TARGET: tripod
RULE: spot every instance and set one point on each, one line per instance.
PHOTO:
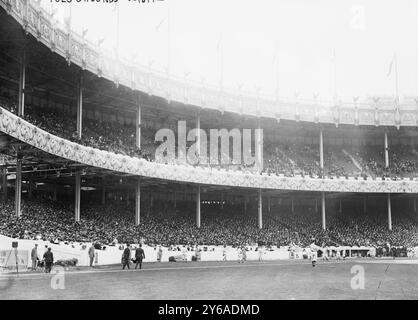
(7, 260)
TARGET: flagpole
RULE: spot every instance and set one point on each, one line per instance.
(70, 17)
(117, 29)
(220, 57)
(335, 76)
(276, 61)
(396, 77)
(168, 41)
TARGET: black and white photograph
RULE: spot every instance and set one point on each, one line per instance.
(226, 152)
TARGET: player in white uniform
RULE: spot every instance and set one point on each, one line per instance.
(325, 254)
(244, 254)
(372, 252)
(224, 254)
(338, 255)
(239, 255)
(314, 253)
(260, 253)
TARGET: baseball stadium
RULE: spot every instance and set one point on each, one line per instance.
(83, 176)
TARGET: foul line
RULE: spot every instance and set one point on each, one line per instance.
(43, 275)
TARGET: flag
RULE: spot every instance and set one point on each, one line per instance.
(276, 51)
(53, 12)
(391, 64)
(218, 46)
(334, 56)
(67, 22)
(219, 49)
(334, 61)
(158, 26)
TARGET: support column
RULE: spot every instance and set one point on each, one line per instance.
(389, 213)
(22, 85)
(260, 146)
(292, 205)
(80, 108)
(30, 189)
(341, 207)
(198, 207)
(222, 201)
(269, 204)
(103, 195)
(365, 204)
(54, 195)
(321, 150)
(316, 205)
(198, 134)
(127, 198)
(415, 205)
(77, 192)
(175, 200)
(260, 210)
(245, 205)
(138, 202)
(4, 184)
(386, 150)
(323, 211)
(138, 126)
(18, 187)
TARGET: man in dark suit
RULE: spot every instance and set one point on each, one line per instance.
(49, 260)
(139, 255)
(91, 254)
(126, 257)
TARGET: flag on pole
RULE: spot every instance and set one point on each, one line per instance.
(334, 55)
(219, 49)
(158, 26)
(116, 9)
(219, 45)
(392, 62)
(67, 22)
(275, 63)
(334, 61)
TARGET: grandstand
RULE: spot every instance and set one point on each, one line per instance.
(77, 143)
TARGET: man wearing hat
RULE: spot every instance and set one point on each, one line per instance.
(126, 257)
(139, 256)
(34, 257)
(49, 260)
(91, 254)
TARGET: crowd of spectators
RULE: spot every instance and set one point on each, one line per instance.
(113, 223)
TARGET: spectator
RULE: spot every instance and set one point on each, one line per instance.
(49, 260)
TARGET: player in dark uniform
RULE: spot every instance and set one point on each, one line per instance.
(139, 255)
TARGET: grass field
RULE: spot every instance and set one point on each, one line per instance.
(384, 279)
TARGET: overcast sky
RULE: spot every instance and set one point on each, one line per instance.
(248, 38)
